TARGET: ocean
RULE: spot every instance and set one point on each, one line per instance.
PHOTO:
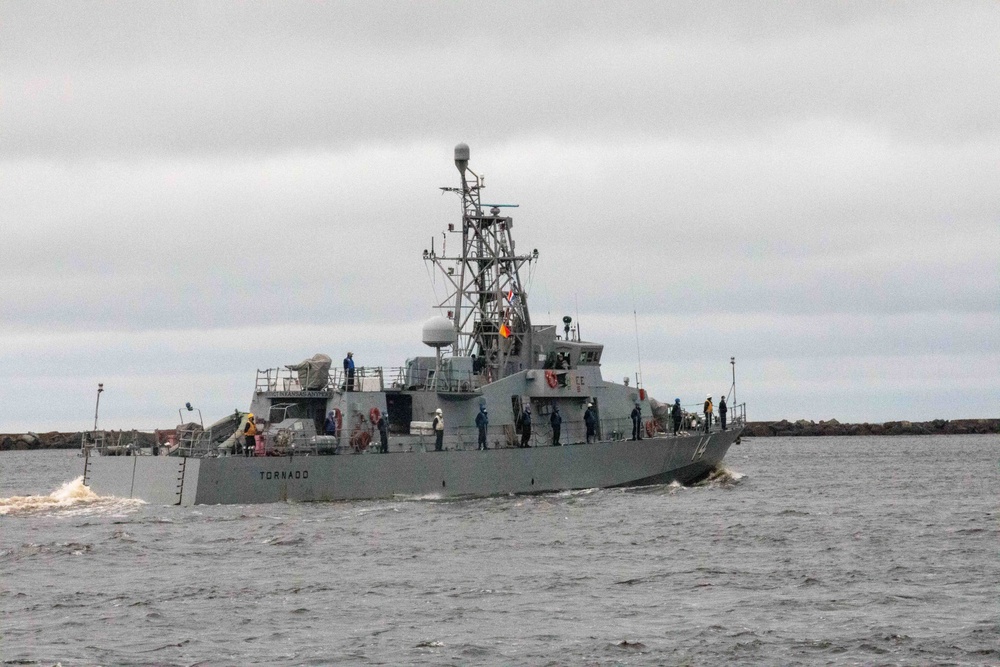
(804, 551)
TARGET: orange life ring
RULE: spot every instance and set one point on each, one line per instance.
(651, 428)
(339, 417)
(551, 379)
(374, 415)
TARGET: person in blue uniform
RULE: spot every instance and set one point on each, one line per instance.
(677, 414)
(637, 422)
(383, 432)
(526, 426)
(330, 426)
(556, 422)
(349, 372)
(723, 409)
(482, 423)
(590, 421)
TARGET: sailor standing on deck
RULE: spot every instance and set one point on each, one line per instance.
(637, 421)
(249, 433)
(383, 432)
(349, 372)
(722, 412)
(526, 426)
(438, 424)
(677, 414)
(708, 413)
(556, 422)
(482, 423)
(590, 421)
(330, 426)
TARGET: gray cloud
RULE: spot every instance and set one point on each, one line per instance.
(192, 189)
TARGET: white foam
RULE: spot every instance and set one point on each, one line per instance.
(70, 496)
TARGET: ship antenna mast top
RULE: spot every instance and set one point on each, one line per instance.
(487, 302)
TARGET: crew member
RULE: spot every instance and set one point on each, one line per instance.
(438, 424)
(482, 423)
(677, 414)
(590, 421)
(526, 426)
(383, 432)
(637, 421)
(249, 433)
(556, 422)
(707, 408)
(723, 409)
(349, 372)
(330, 426)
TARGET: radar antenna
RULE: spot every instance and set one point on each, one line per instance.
(486, 302)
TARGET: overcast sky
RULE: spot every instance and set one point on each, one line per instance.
(190, 191)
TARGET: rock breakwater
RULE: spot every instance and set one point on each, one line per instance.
(834, 427)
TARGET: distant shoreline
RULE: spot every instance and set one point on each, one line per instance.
(783, 428)
(804, 427)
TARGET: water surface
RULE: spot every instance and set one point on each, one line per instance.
(810, 551)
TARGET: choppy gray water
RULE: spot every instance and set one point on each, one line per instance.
(810, 551)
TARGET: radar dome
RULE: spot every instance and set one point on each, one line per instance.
(439, 332)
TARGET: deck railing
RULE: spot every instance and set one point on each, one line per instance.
(370, 378)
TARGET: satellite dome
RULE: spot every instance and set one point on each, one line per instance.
(438, 332)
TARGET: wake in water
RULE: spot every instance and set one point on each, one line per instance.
(72, 497)
(722, 477)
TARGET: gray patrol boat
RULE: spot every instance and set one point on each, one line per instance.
(318, 428)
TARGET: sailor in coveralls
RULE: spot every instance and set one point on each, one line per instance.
(637, 422)
(556, 422)
(349, 372)
(482, 423)
(383, 432)
(590, 421)
(438, 424)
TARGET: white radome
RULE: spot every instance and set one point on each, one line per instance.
(438, 331)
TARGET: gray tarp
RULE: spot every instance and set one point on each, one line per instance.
(313, 373)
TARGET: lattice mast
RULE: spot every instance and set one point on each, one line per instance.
(487, 303)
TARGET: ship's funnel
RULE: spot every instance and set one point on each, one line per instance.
(462, 157)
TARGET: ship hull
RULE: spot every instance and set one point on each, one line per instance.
(236, 480)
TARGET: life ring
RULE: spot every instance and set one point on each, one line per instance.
(339, 417)
(360, 440)
(551, 379)
(651, 428)
(374, 415)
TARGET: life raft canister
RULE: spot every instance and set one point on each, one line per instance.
(551, 379)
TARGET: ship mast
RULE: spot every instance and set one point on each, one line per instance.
(487, 302)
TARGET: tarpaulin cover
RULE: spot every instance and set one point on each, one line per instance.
(313, 373)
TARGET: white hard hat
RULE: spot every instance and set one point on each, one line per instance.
(438, 411)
